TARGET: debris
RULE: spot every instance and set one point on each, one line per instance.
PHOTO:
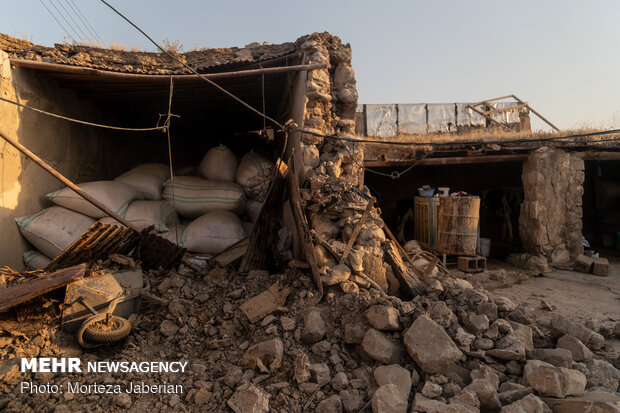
(600, 267)
(583, 263)
(528, 404)
(394, 374)
(556, 381)
(266, 302)
(383, 317)
(378, 346)
(314, 327)
(389, 399)
(249, 399)
(266, 356)
(429, 345)
(577, 349)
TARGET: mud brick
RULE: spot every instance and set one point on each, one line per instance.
(600, 267)
(583, 263)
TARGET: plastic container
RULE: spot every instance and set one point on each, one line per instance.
(485, 247)
(444, 191)
(426, 193)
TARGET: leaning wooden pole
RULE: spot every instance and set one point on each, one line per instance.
(63, 179)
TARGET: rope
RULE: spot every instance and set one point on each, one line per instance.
(98, 125)
(176, 227)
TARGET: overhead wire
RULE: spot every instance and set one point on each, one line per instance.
(87, 24)
(74, 22)
(66, 21)
(83, 122)
(58, 21)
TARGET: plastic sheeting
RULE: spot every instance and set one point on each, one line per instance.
(381, 120)
(441, 117)
(467, 117)
(412, 119)
(505, 117)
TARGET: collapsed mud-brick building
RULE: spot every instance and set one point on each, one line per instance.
(311, 82)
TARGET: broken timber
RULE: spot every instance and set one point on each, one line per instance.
(302, 226)
(18, 294)
(233, 253)
(409, 283)
(266, 302)
(356, 230)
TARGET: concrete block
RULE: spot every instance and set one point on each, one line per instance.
(583, 263)
(472, 264)
(600, 267)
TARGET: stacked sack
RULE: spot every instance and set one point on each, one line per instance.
(210, 204)
(213, 200)
(135, 196)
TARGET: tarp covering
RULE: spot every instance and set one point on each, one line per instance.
(467, 117)
(505, 117)
(412, 119)
(381, 120)
(441, 117)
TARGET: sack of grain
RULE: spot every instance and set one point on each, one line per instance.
(254, 175)
(143, 214)
(35, 260)
(174, 234)
(110, 221)
(148, 179)
(219, 164)
(53, 229)
(252, 209)
(115, 195)
(213, 232)
(194, 196)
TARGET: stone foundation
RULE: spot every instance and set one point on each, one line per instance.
(550, 222)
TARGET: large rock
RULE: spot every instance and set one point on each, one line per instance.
(266, 356)
(557, 381)
(379, 347)
(602, 373)
(561, 325)
(314, 327)
(476, 323)
(528, 404)
(558, 357)
(339, 274)
(383, 317)
(430, 346)
(389, 399)
(394, 374)
(249, 399)
(332, 404)
(519, 334)
(592, 402)
(487, 394)
(578, 350)
(424, 404)
(515, 352)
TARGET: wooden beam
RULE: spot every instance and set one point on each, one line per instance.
(356, 230)
(602, 156)
(409, 283)
(23, 292)
(450, 160)
(107, 74)
(538, 114)
(507, 109)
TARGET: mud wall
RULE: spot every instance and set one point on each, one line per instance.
(81, 153)
(550, 222)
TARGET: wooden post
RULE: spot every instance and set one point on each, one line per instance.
(356, 230)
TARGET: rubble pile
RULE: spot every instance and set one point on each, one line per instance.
(463, 349)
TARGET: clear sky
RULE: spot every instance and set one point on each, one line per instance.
(562, 56)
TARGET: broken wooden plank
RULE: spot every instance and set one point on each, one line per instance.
(18, 294)
(259, 255)
(302, 226)
(409, 283)
(266, 302)
(356, 230)
(233, 253)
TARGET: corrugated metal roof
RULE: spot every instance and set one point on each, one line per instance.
(207, 60)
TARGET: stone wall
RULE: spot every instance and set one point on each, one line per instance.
(333, 190)
(550, 222)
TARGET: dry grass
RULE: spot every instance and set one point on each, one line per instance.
(117, 46)
(172, 46)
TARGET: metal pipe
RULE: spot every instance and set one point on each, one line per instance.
(63, 179)
(59, 68)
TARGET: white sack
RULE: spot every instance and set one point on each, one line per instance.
(212, 233)
(143, 214)
(219, 164)
(254, 175)
(148, 179)
(53, 229)
(194, 196)
(35, 260)
(115, 195)
(174, 232)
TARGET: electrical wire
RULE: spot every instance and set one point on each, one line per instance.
(74, 22)
(57, 21)
(87, 24)
(98, 125)
(66, 21)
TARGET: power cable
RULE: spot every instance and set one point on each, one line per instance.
(74, 22)
(87, 24)
(66, 21)
(57, 21)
